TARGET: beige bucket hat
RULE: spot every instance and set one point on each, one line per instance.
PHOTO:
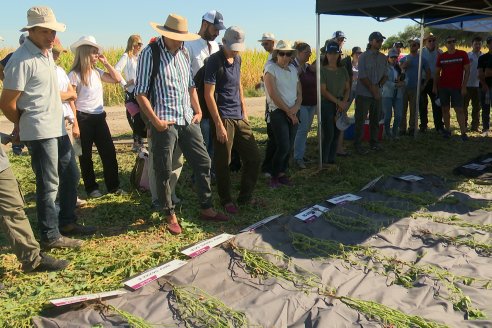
(43, 17)
(175, 28)
(284, 45)
(86, 41)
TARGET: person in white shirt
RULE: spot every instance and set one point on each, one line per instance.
(86, 79)
(200, 50)
(127, 66)
(472, 88)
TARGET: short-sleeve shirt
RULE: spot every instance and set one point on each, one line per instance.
(373, 66)
(412, 70)
(34, 74)
(431, 57)
(199, 51)
(473, 80)
(170, 94)
(89, 97)
(452, 69)
(334, 80)
(63, 83)
(227, 87)
(286, 82)
(482, 64)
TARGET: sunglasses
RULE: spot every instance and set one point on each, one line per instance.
(283, 53)
(138, 44)
(431, 40)
(393, 57)
(451, 41)
(358, 52)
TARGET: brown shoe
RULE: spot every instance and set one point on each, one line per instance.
(62, 242)
(174, 228)
(77, 229)
(217, 217)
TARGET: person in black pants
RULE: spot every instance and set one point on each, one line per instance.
(91, 116)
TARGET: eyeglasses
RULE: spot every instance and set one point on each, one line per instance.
(451, 41)
(282, 53)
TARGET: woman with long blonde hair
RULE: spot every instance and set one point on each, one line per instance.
(86, 79)
(127, 66)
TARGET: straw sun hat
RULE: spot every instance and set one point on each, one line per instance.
(175, 28)
(43, 17)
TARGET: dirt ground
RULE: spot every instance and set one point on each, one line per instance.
(118, 124)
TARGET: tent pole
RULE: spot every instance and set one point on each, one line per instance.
(318, 90)
(419, 80)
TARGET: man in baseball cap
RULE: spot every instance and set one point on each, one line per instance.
(376, 36)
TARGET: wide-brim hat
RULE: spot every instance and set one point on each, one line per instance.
(343, 121)
(429, 36)
(43, 17)
(88, 40)
(267, 37)
(284, 45)
(175, 28)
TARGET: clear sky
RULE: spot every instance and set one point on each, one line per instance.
(111, 22)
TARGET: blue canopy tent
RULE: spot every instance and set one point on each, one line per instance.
(424, 12)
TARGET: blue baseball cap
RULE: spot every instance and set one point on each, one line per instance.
(215, 18)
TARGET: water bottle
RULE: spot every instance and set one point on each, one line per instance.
(77, 147)
(487, 98)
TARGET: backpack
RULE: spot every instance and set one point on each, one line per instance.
(139, 177)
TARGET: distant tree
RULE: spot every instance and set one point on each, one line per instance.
(413, 31)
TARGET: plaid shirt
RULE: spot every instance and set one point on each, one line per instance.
(171, 86)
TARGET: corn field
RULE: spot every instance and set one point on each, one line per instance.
(252, 67)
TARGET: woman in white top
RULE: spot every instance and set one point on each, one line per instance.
(284, 97)
(86, 79)
(127, 65)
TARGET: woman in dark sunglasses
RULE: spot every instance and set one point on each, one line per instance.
(284, 98)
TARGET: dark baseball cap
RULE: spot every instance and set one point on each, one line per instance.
(332, 47)
(377, 36)
(398, 44)
(215, 18)
(338, 35)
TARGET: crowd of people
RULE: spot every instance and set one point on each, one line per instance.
(183, 92)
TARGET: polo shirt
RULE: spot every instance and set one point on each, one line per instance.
(171, 88)
(199, 51)
(373, 66)
(227, 88)
(452, 69)
(34, 74)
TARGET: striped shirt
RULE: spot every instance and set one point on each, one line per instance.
(171, 95)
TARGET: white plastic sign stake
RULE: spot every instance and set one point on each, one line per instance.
(153, 274)
(205, 245)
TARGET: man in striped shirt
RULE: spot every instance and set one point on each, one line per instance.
(174, 115)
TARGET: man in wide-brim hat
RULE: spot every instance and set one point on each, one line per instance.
(31, 100)
(174, 114)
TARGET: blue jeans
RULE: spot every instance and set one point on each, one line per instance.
(390, 104)
(284, 133)
(306, 115)
(207, 136)
(53, 163)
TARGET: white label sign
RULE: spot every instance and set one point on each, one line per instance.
(488, 160)
(205, 245)
(153, 274)
(371, 183)
(474, 166)
(312, 213)
(411, 178)
(343, 199)
(260, 223)
(83, 298)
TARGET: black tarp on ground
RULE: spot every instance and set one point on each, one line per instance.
(273, 303)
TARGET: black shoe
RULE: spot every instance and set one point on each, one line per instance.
(62, 242)
(77, 229)
(49, 263)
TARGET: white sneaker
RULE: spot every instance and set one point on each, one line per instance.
(95, 194)
(81, 202)
(119, 192)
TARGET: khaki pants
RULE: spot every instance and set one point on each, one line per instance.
(14, 222)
